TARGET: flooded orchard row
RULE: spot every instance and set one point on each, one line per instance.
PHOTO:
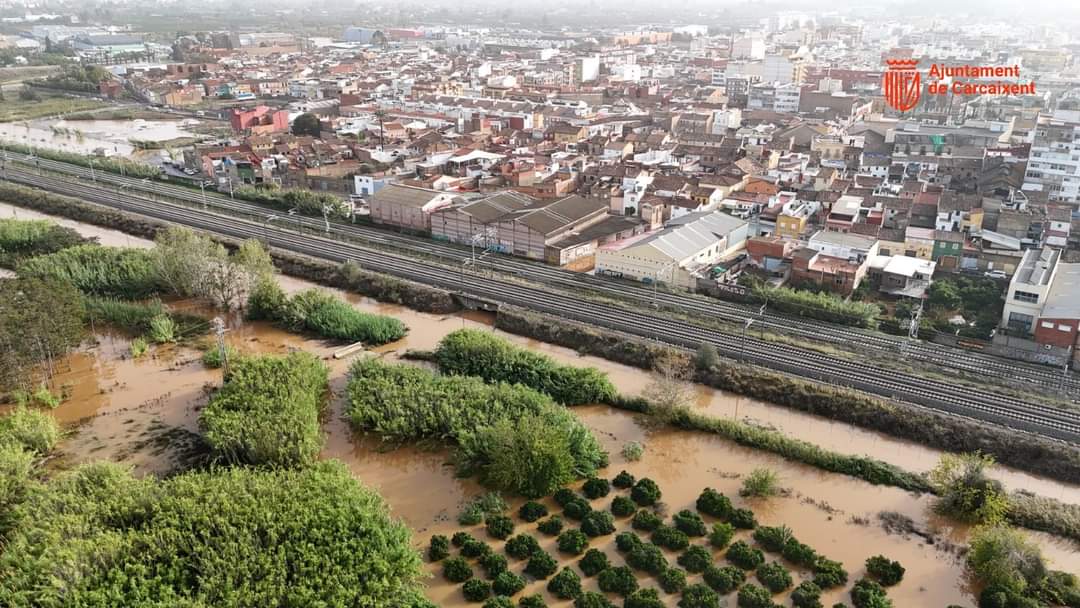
(143, 411)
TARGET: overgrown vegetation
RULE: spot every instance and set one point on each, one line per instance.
(21, 239)
(823, 306)
(40, 321)
(977, 299)
(267, 412)
(513, 437)
(966, 492)
(131, 540)
(471, 352)
(114, 272)
(322, 314)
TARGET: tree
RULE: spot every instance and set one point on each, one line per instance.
(500, 526)
(711, 502)
(531, 511)
(623, 480)
(596, 487)
(527, 456)
(745, 556)
(868, 594)
(752, 596)
(41, 319)
(944, 295)
(619, 580)
(670, 538)
(673, 580)
(476, 590)
(643, 598)
(699, 596)
(707, 357)
(541, 565)
(774, 576)
(522, 546)
(573, 542)
(669, 390)
(565, 585)
(622, 506)
(307, 124)
(645, 492)
(965, 491)
(598, 523)
(721, 534)
(1003, 558)
(439, 548)
(696, 559)
(887, 572)
(724, 580)
(689, 523)
(507, 583)
(806, 595)
(594, 562)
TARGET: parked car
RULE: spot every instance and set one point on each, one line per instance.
(189, 172)
(996, 274)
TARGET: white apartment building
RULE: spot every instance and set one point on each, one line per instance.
(1054, 163)
(1028, 289)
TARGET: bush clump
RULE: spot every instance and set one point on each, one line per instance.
(743, 519)
(868, 594)
(323, 314)
(623, 480)
(573, 542)
(622, 506)
(515, 438)
(114, 272)
(699, 596)
(498, 601)
(829, 574)
(592, 599)
(477, 509)
(689, 523)
(645, 492)
(647, 557)
(598, 523)
(633, 451)
(577, 509)
(596, 487)
(724, 580)
(695, 559)
(476, 590)
(752, 596)
(800, 553)
(475, 548)
(806, 595)
(493, 564)
(646, 521)
(643, 598)
(670, 538)
(564, 496)
(594, 562)
(711, 502)
(522, 546)
(966, 491)
(721, 534)
(626, 541)
(499, 526)
(267, 412)
(507, 583)
(774, 576)
(566, 585)
(773, 538)
(33, 430)
(619, 580)
(744, 556)
(673, 580)
(541, 565)
(532, 511)
(887, 572)
(460, 538)
(532, 601)
(438, 548)
(551, 526)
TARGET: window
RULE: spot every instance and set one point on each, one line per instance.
(1020, 321)
(1025, 296)
(1047, 325)
(1066, 328)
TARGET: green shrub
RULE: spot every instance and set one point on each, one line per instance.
(438, 548)
(522, 546)
(593, 562)
(577, 509)
(689, 523)
(1003, 558)
(515, 438)
(724, 580)
(643, 598)
(760, 482)
(267, 412)
(573, 542)
(622, 506)
(752, 596)
(721, 534)
(212, 356)
(623, 480)
(647, 557)
(670, 538)
(633, 451)
(139, 347)
(564, 496)
(598, 523)
(163, 329)
(477, 509)
(541, 565)
(16, 470)
(128, 541)
(646, 521)
(619, 580)
(695, 559)
(476, 590)
(596, 487)
(460, 538)
(799, 553)
(821, 306)
(774, 577)
(500, 526)
(744, 556)
(699, 596)
(829, 573)
(806, 595)
(33, 430)
(743, 519)
(773, 538)
(868, 594)
(328, 316)
(470, 352)
(136, 317)
(886, 571)
(498, 601)
(645, 492)
(532, 601)
(551, 526)
(507, 583)
(592, 599)
(21, 239)
(965, 490)
(475, 548)
(40, 397)
(532, 511)
(566, 585)
(673, 580)
(493, 564)
(124, 273)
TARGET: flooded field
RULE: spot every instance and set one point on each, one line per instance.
(110, 137)
(144, 413)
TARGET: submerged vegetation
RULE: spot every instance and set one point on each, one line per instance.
(322, 314)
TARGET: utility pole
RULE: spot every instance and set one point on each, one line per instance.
(219, 329)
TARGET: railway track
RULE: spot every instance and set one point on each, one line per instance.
(885, 346)
(943, 396)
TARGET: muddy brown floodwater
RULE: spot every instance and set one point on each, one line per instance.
(144, 412)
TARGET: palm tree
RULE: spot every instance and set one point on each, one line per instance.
(380, 115)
